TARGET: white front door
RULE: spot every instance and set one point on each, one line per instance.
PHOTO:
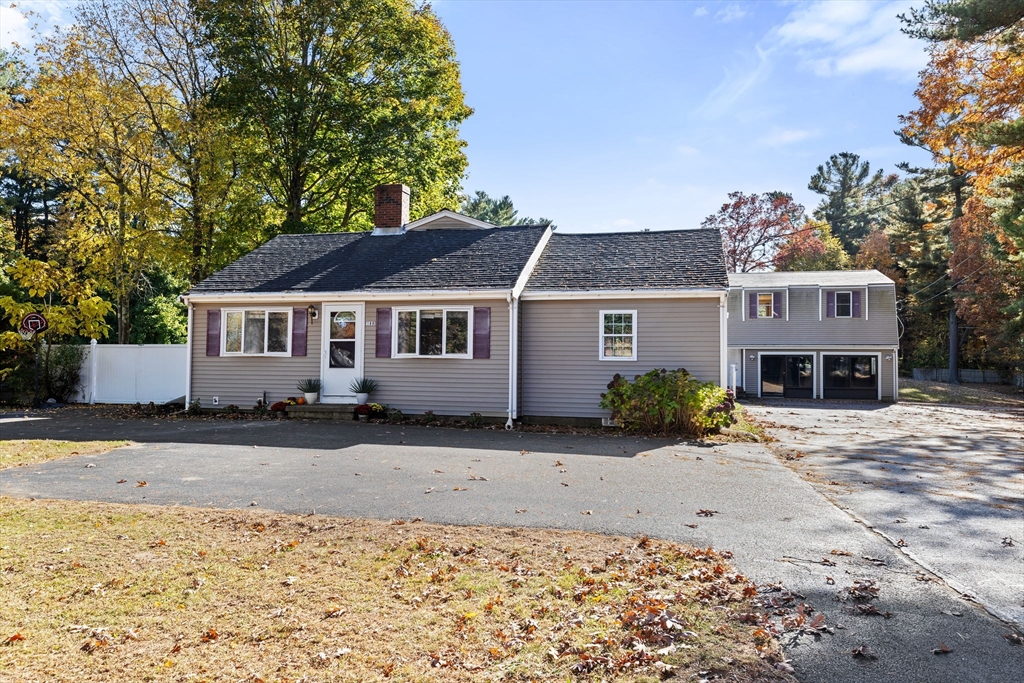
(342, 346)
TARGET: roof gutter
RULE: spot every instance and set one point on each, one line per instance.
(638, 293)
(361, 295)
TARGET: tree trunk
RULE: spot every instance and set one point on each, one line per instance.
(124, 323)
(954, 348)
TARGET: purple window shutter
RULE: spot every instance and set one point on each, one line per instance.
(776, 304)
(299, 331)
(753, 305)
(481, 333)
(830, 304)
(855, 296)
(383, 333)
(213, 333)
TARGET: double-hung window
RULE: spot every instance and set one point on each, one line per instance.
(257, 332)
(766, 305)
(436, 332)
(844, 304)
(618, 335)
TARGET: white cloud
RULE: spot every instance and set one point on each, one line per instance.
(780, 137)
(18, 21)
(701, 11)
(688, 151)
(850, 37)
(731, 12)
(735, 84)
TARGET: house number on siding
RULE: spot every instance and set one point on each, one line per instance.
(371, 323)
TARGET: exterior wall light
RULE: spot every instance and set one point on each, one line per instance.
(752, 357)
(313, 313)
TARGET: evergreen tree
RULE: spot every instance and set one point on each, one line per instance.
(852, 196)
(495, 211)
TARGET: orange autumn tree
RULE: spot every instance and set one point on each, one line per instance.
(970, 116)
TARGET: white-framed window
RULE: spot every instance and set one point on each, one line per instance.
(433, 332)
(844, 304)
(618, 335)
(256, 332)
(765, 305)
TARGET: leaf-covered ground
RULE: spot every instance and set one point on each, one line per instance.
(965, 394)
(20, 452)
(112, 592)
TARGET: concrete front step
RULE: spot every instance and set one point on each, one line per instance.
(324, 411)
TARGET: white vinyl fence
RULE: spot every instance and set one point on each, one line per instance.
(133, 373)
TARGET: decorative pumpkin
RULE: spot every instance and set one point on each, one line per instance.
(301, 400)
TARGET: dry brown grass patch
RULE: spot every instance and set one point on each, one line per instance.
(21, 452)
(117, 592)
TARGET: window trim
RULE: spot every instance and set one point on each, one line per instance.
(601, 335)
(266, 331)
(848, 293)
(396, 310)
(771, 306)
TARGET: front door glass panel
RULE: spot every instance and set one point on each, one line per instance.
(343, 339)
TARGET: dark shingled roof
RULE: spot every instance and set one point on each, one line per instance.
(674, 259)
(416, 260)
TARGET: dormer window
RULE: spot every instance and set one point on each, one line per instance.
(765, 306)
(844, 304)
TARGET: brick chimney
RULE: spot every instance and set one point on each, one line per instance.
(390, 208)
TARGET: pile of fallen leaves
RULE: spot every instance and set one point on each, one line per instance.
(111, 592)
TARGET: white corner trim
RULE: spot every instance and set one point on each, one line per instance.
(867, 295)
(723, 340)
(743, 304)
(787, 303)
(188, 358)
(424, 222)
(524, 276)
(819, 303)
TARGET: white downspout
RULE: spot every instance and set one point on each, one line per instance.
(511, 359)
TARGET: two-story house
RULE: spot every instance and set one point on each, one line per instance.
(823, 334)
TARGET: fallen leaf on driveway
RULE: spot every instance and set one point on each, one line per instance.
(586, 512)
(706, 513)
(13, 639)
(520, 511)
(558, 463)
(901, 543)
(90, 465)
(844, 553)
(438, 472)
(523, 452)
(122, 481)
(473, 477)
(952, 614)
(942, 649)
(875, 561)
(1013, 638)
(564, 484)
(459, 488)
(140, 483)
(1007, 542)
(863, 652)
(692, 526)
(429, 490)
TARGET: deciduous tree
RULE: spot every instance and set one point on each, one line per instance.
(341, 95)
(753, 228)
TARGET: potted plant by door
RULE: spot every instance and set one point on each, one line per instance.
(310, 389)
(362, 388)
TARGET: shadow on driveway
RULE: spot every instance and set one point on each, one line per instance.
(87, 425)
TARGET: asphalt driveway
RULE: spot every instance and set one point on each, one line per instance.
(778, 526)
(944, 482)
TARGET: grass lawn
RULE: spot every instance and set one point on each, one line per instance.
(966, 394)
(100, 592)
(20, 452)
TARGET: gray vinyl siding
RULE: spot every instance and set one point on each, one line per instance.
(241, 380)
(562, 376)
(885, 368)
(804, 328)
(447, 386)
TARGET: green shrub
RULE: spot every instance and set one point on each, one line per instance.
(668, 402)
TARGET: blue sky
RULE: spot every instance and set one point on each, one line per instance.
(633, 115)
